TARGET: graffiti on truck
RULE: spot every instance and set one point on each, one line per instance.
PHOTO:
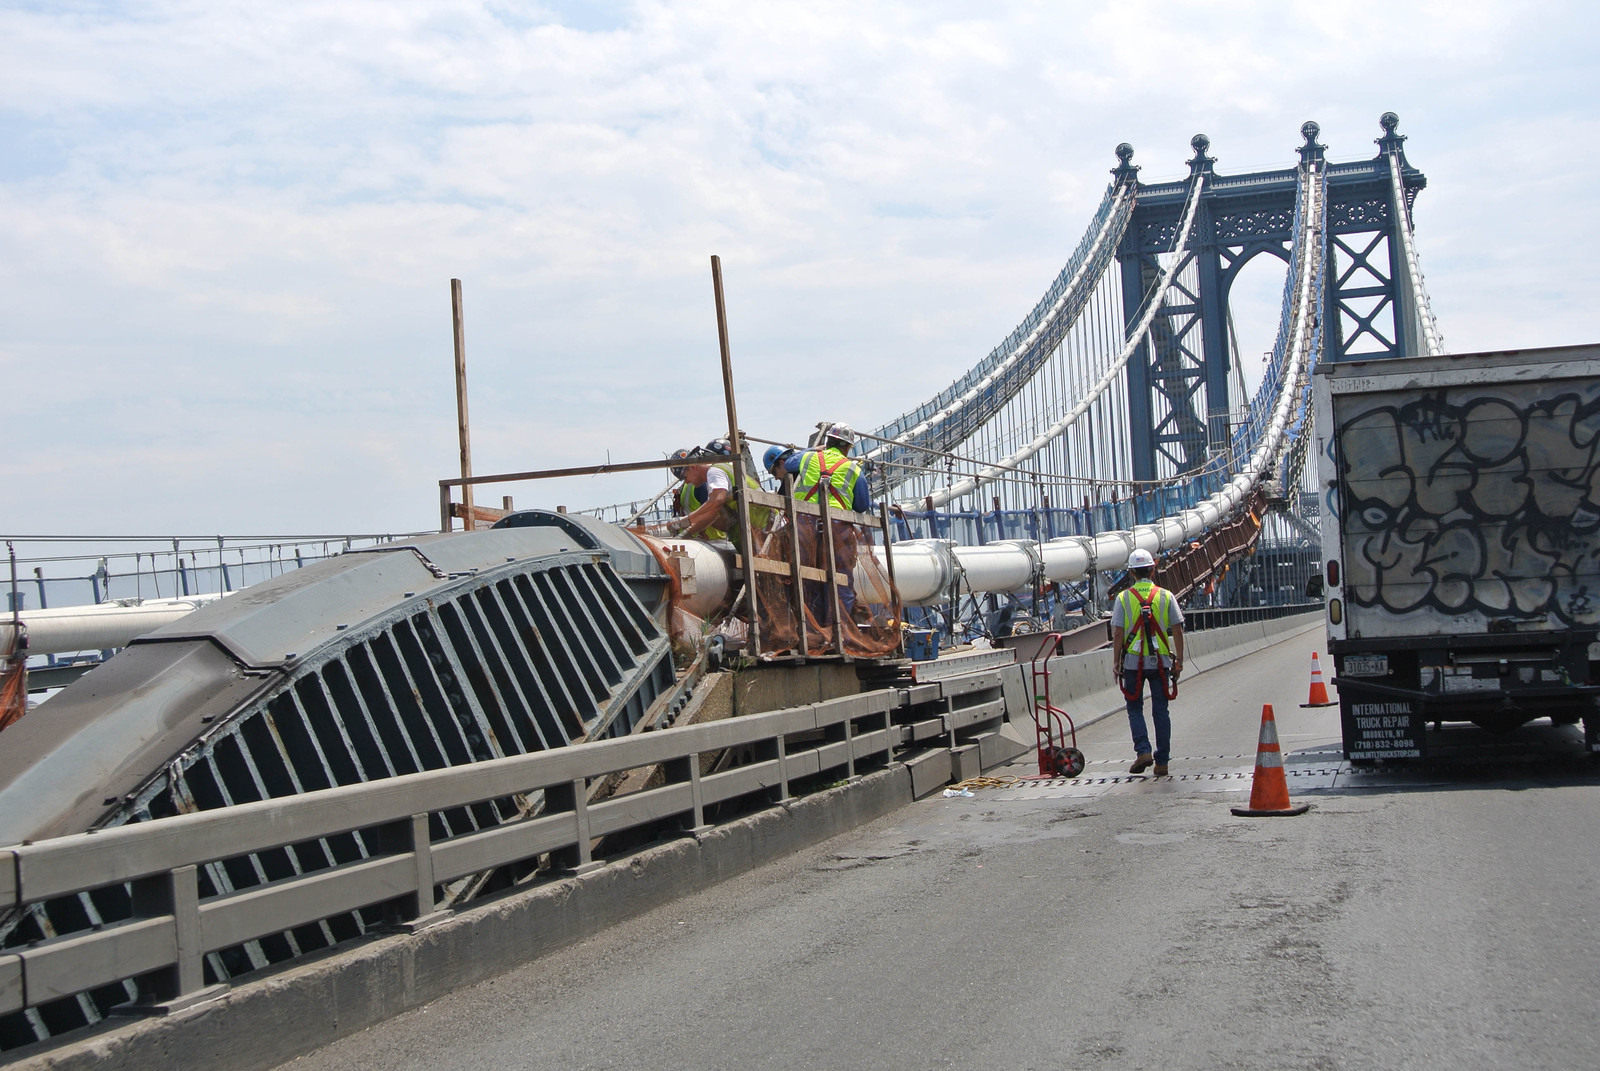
(1475, 500)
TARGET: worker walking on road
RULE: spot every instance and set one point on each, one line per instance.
(1147, 636)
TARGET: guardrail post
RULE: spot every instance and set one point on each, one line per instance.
(573, 797)
(783, 767)
(849, 748)
(418, 911)
(182, 985)
(11, 994)
(687, 769)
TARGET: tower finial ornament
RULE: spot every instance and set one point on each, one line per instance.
(1201, 164)
(1390, 142)
(1311, 152)
(1126, 170)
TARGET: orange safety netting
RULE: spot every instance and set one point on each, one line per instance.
(868, 607)
(13, 684)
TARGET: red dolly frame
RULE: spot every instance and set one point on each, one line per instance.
(1052, 725)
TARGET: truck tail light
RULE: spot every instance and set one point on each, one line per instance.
(1333, 572)
(1335, 611)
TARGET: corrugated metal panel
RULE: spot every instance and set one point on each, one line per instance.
(486, 661)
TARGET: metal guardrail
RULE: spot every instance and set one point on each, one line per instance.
(1194, 620)
(173, 928)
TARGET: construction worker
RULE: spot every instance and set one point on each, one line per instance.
(706, 497)
(1147, 636)
(775, 461)
(826, 468)
(828, 463)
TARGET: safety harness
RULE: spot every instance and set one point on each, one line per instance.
(825, 479)
(1148, 630)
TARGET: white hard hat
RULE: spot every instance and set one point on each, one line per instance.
(843, 433)
(1141, 559)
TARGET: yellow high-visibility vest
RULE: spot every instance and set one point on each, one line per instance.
(836, 469)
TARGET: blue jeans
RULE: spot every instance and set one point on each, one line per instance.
(1158, 714)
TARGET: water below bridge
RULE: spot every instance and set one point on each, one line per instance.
(1443, 917)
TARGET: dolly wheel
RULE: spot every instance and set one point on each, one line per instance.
(1066, 761)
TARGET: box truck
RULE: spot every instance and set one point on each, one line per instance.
(1460, 502)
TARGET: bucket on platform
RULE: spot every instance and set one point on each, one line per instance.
(922, 644)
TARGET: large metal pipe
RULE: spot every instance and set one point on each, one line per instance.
(705, 572)
(100, 627)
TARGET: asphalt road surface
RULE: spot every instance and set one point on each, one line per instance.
(1442, 918)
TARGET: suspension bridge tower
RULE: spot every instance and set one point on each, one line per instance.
(1178, 377)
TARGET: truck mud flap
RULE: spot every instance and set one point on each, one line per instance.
(1381, 722)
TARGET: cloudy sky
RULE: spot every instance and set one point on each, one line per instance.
(227, 230)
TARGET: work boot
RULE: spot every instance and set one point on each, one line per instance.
(1161, 769)
(1141, 764)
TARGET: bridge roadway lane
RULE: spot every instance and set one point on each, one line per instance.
(1436, 919)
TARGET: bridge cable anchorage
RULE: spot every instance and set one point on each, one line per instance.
(972, 399)
(925, 569)
(1416, 289)
(1153, 305)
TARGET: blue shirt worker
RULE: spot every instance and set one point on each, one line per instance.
(1147, 634)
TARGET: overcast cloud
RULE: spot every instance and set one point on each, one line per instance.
(226, 231)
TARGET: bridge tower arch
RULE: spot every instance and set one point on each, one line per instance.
(1179, 400)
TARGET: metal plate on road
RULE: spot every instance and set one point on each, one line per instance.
(1321, 771)
(1302, 777)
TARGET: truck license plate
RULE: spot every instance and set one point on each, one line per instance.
(1366, 665)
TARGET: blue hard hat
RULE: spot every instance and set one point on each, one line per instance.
(771, 457)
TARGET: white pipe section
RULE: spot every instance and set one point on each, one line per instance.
(910, 437)
(1418, 290)
(925, 570)
(964, 487)
(705, 573)
(99, 627)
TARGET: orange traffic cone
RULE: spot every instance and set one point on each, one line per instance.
(1269, 792)
(1319, 691)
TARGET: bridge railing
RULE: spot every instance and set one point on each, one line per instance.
(164, 945)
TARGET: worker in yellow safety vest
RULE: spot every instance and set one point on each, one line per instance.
(706, 498)
(1147, 638)
(829, 465)
(827, 469)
